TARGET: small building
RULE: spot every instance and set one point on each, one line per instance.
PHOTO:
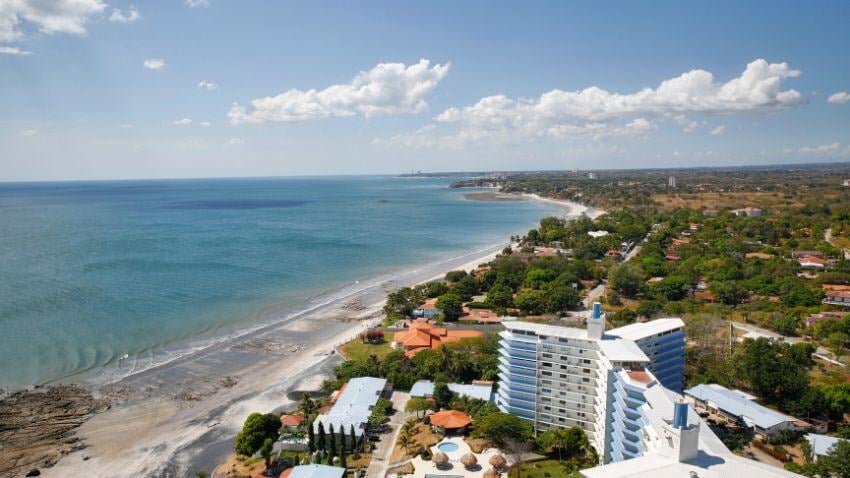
(747, 212)
(801, 254)
(737, 407)
(480, 316)
(599, 233)
(291, 421)
(452, 421)
(706, 296)
(837, 297)
(427, 310)
(478, 389)
(813, 319)
(421, 336)
(314, 471)
(812, 262)
(821, 444)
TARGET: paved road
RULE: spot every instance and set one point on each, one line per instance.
(827, 236)
(382, 456)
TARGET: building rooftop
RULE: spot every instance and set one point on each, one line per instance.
(641, 330)
(548, 330)
(737, 404)
(353, 406)
(314, 471)
(480, 391)
(821, 443)
(622, 351)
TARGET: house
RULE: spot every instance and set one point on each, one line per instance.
(812, 262)
(353, 405)
(478, 389)
(758, 255)
(837, 297)
(452, 421)
(846, 183)
(314, 471)
(735, 406)
(599, 233)
(613, 254)
(813, 319)
(427, 310)
(801, 254)
(480, 316)
(421, 336)
(747, 212)
(291, 421)
(821, 444)
(706, 296)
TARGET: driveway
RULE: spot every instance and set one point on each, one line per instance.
(382, 455)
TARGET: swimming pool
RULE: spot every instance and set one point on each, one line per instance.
(447, 447)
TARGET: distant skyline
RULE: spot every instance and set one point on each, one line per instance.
(97, 89)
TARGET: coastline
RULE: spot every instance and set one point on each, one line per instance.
(180, 417)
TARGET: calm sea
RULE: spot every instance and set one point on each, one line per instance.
(91, 271)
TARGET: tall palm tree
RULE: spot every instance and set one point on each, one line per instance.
(405, 441)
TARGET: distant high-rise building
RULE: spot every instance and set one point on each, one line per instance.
(591, 175)
(671, 182)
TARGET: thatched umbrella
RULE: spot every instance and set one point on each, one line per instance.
(469, 460)
(498, 462)
(440, 458)
(491, 473)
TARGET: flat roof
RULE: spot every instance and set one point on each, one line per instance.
(353, 406)
(316, 471)
(620, 350)
(480, 391)
(737, 404)
(641, 330)
(548, 330)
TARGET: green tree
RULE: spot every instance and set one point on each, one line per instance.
(498, 427)
(307, 406)
(451, 305)
(311, 438)
(837, 341)
(538, 278)
(627, 279)
(531, 301)
(353, 439)
(266, 450)
(785, 325)
(256, 429)
(500, 296)
(343, 461)
(322, 439)
(837, 461)
(442, 395)
(331, 439)
(672, 288)
(571, 442)
(773, 369)
(560, 298)
(417, 405)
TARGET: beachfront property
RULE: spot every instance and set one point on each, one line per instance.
(821, 444)
(353, 405)
(428, 310)
(734, 406)
(422, 335)
(664, 438)
(561, 377)
(478, 389)
(314, 471)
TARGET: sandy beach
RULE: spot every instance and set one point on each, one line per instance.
(181, 417)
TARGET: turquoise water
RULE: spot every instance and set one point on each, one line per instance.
(91, 271)
(447, 447)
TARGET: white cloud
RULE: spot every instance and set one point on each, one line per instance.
(197, 3)
(127, 125)
(207, 85)
(118, 16)
(154, 64)
(50, 16)
(718, 130)
(388, 88)
(839, 98)
(824, 149)
(205, 124)
(28, 132)
(234, 142)
(13, 50)
(182, 122)
(594, 111)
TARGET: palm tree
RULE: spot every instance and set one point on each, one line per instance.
(307, 406)
(405, 441)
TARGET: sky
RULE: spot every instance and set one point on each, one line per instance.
(114, 89)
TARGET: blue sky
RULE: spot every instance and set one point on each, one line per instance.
(431, 86)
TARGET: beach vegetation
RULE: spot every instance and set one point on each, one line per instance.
(499, 427)
(452, 306)
(256, 429)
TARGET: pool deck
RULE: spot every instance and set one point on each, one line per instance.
(454, 466)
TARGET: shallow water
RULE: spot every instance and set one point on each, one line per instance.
(91, 271)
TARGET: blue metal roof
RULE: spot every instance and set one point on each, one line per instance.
(734, 403)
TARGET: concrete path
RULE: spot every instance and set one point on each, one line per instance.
(382, 455)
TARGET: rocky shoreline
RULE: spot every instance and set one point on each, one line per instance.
(38, 427)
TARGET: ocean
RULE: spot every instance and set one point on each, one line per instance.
(92, 272)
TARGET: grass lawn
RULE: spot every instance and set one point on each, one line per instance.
(543, 469)
(356, 350)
